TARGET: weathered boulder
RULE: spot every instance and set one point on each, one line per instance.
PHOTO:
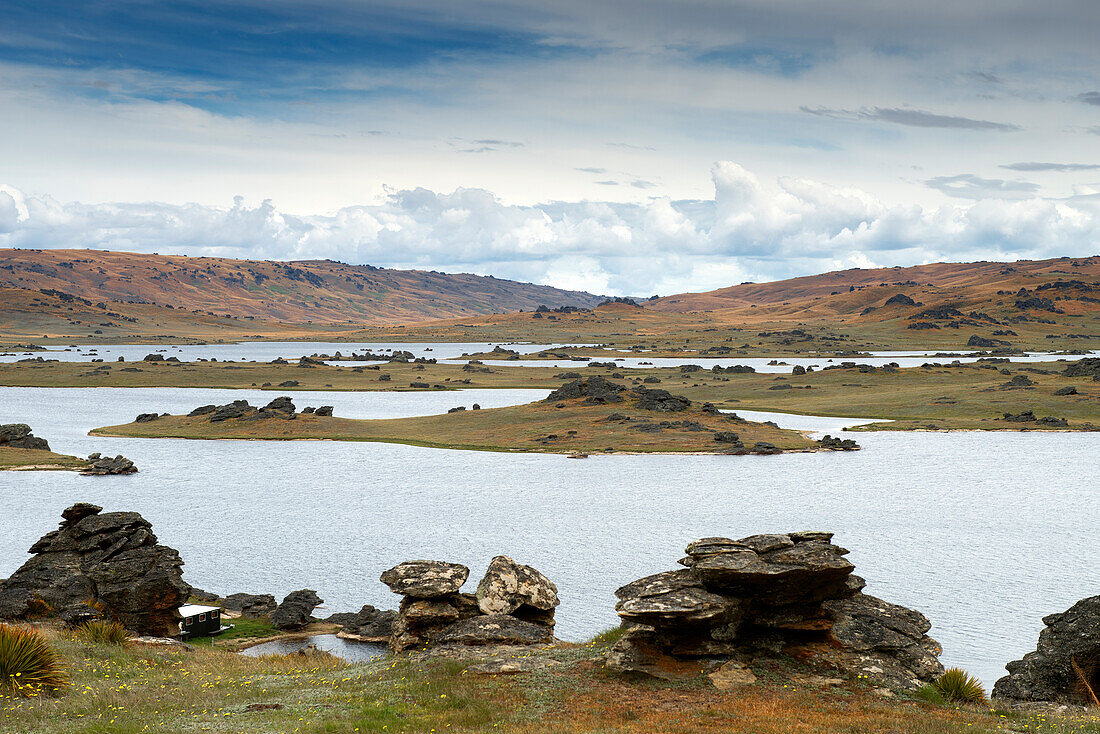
(18, 436)
(230, 410)
(369, 624)
(256, 606)
(890, 641)
(518, 600)
(296, 610)
(780, 569)
(673, 598)
(508, 585)
(111, 558)
(763, 596)
(1065, 663)
(425, 579)
(324, 410)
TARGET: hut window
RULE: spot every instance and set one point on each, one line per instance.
(202, 617)
(187, 621)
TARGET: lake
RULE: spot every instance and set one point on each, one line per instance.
(983, 532)
(450, 352)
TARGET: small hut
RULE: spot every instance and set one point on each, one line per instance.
(200, 621)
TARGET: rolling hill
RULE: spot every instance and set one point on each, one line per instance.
(318, 291)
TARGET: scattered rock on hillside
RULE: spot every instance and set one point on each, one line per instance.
(761, 597)
(112, 558)
(19, 436)
(901, 300)
(1066, 391)
(983, 343)
(1087, 367)
(296, 610)
(1047, 674)
(324, 410)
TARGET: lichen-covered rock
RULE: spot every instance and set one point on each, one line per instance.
(111, 558)
(783, 569)
(763, 596)
(596, 389)
(1047, 674)
(494, 629)
(425, 579)
(369, 624)
(508, 585)
(103, 465)
(672, 598)
(296, 610)
(890, 640)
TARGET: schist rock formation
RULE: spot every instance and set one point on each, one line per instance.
(762, 596)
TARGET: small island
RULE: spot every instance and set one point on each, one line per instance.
(584, 416)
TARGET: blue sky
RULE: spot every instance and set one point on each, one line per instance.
(624, 146)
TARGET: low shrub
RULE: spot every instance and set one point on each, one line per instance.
(29, 666)
(608, 637)
(956, 686)
(102, 632)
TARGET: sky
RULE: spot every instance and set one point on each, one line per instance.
(625, 147)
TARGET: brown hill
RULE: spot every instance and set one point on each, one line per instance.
(851, 291)
(321, 291)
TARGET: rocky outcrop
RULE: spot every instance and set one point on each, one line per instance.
(514, 605)
(19, 436)
(1065, 665)
(369, 624)
(1086, 367)
(763, 596)
(660, 400)
(257, 606)
(296, 610)
(112, 559)
(596, 390)
(102, 465)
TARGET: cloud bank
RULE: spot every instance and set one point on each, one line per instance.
(749, 230)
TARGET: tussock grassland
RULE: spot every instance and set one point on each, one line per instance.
(35, 459)
(536, 427)
(137, 689)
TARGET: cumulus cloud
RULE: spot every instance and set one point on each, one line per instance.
(912, 118)
(748, 230)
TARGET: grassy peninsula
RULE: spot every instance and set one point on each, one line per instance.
(15, 459)
(567, 426)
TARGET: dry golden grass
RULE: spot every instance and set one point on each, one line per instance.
(576, 428)
(137, 689)
(34, 459)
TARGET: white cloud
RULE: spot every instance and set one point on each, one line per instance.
(749, 230)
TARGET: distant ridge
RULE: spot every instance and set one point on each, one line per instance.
(321, 291)
(850, 292)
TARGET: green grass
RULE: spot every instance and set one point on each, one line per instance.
(244, 628)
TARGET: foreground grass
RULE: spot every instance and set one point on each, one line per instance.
(35, 459)
(575, 428)
(135, 689)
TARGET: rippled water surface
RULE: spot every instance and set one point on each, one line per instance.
(983, 532)
(356, 652)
